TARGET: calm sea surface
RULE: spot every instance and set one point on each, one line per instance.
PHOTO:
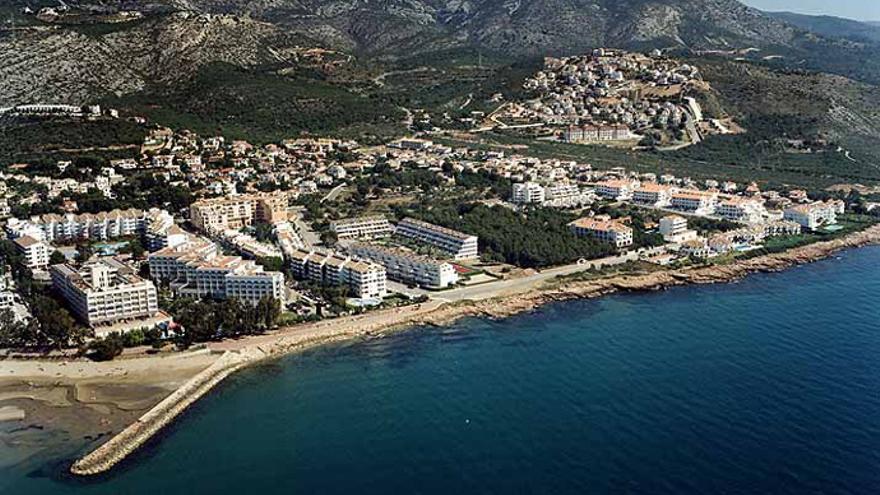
(770, 385)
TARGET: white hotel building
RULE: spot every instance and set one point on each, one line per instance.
(674, 228)
(814, 215)
(35, 252)
(654, 195)
(604, 229)
(617, 190)
(528, 193)
(694, 201)
(407, 267)
(105, 293)
(372, 227)
(365, 280)
(195, 268)
(99, 226)
(741, 210)
(461, 246)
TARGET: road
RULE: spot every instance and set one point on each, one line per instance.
(308, 236)
(524, 284)
(334, 193)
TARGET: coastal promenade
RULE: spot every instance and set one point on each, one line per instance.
(497, 299)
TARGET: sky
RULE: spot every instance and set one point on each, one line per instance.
(862, 10)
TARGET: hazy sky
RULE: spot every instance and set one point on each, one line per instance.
(863, 10)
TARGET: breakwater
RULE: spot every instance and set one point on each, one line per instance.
(135, 435)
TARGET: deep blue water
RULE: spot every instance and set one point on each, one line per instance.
(770, 385)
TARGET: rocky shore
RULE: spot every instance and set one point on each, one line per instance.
(654, 281)
(243, 353)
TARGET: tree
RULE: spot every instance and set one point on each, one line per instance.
(107, 348)
(268, 311)
(83, 253)
(13, 333)
(57, 258)
(328, 238)
(271, 263)
(57, 329)
(136, 249)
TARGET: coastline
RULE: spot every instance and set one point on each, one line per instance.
(242, 353)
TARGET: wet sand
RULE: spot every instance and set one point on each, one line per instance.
(54, 409)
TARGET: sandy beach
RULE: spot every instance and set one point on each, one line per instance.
(89, 400)
(54, 408)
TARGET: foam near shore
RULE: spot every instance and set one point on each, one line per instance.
(239, 354)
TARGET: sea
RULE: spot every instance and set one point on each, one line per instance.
(770, 385)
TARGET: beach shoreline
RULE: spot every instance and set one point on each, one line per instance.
(252, 350)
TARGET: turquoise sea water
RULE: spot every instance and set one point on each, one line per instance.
(770, 385)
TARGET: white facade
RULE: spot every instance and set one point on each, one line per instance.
(617, 190)
(741, 210)
(674, 228)
(654, 195)
(35, 252)
(99, 226)
(408, 268)
(461, 246)
(528, 193)
(603, 229)
(814, 215)
(105, 293)
(373, 227)
(696, 202)
(195, 268)
(562, 192)
(365, 280)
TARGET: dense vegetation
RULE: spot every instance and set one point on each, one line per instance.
(42, 142)
(52, 327)
(207, 320)
(262, 106)
(537, 239)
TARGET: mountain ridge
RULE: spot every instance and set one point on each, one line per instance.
(832, 26)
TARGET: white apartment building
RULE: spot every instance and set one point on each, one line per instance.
(528, 193)
(364, 279)
(562, 192)
(195, 268)
(162, 235)
(407, 267)
(237, 212)
(674, 228)
(741, 210)
(461, 246)
(99, 226)
(35, 252)
(590, 133)
(698, 248)
(105, 292)
(694, 201)
(813, 215)
(654, 195)
(371, 227)
(248, 246)
(604, 229)
(617, 190)
(413, 144)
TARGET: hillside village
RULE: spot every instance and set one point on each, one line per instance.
(614, 96)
